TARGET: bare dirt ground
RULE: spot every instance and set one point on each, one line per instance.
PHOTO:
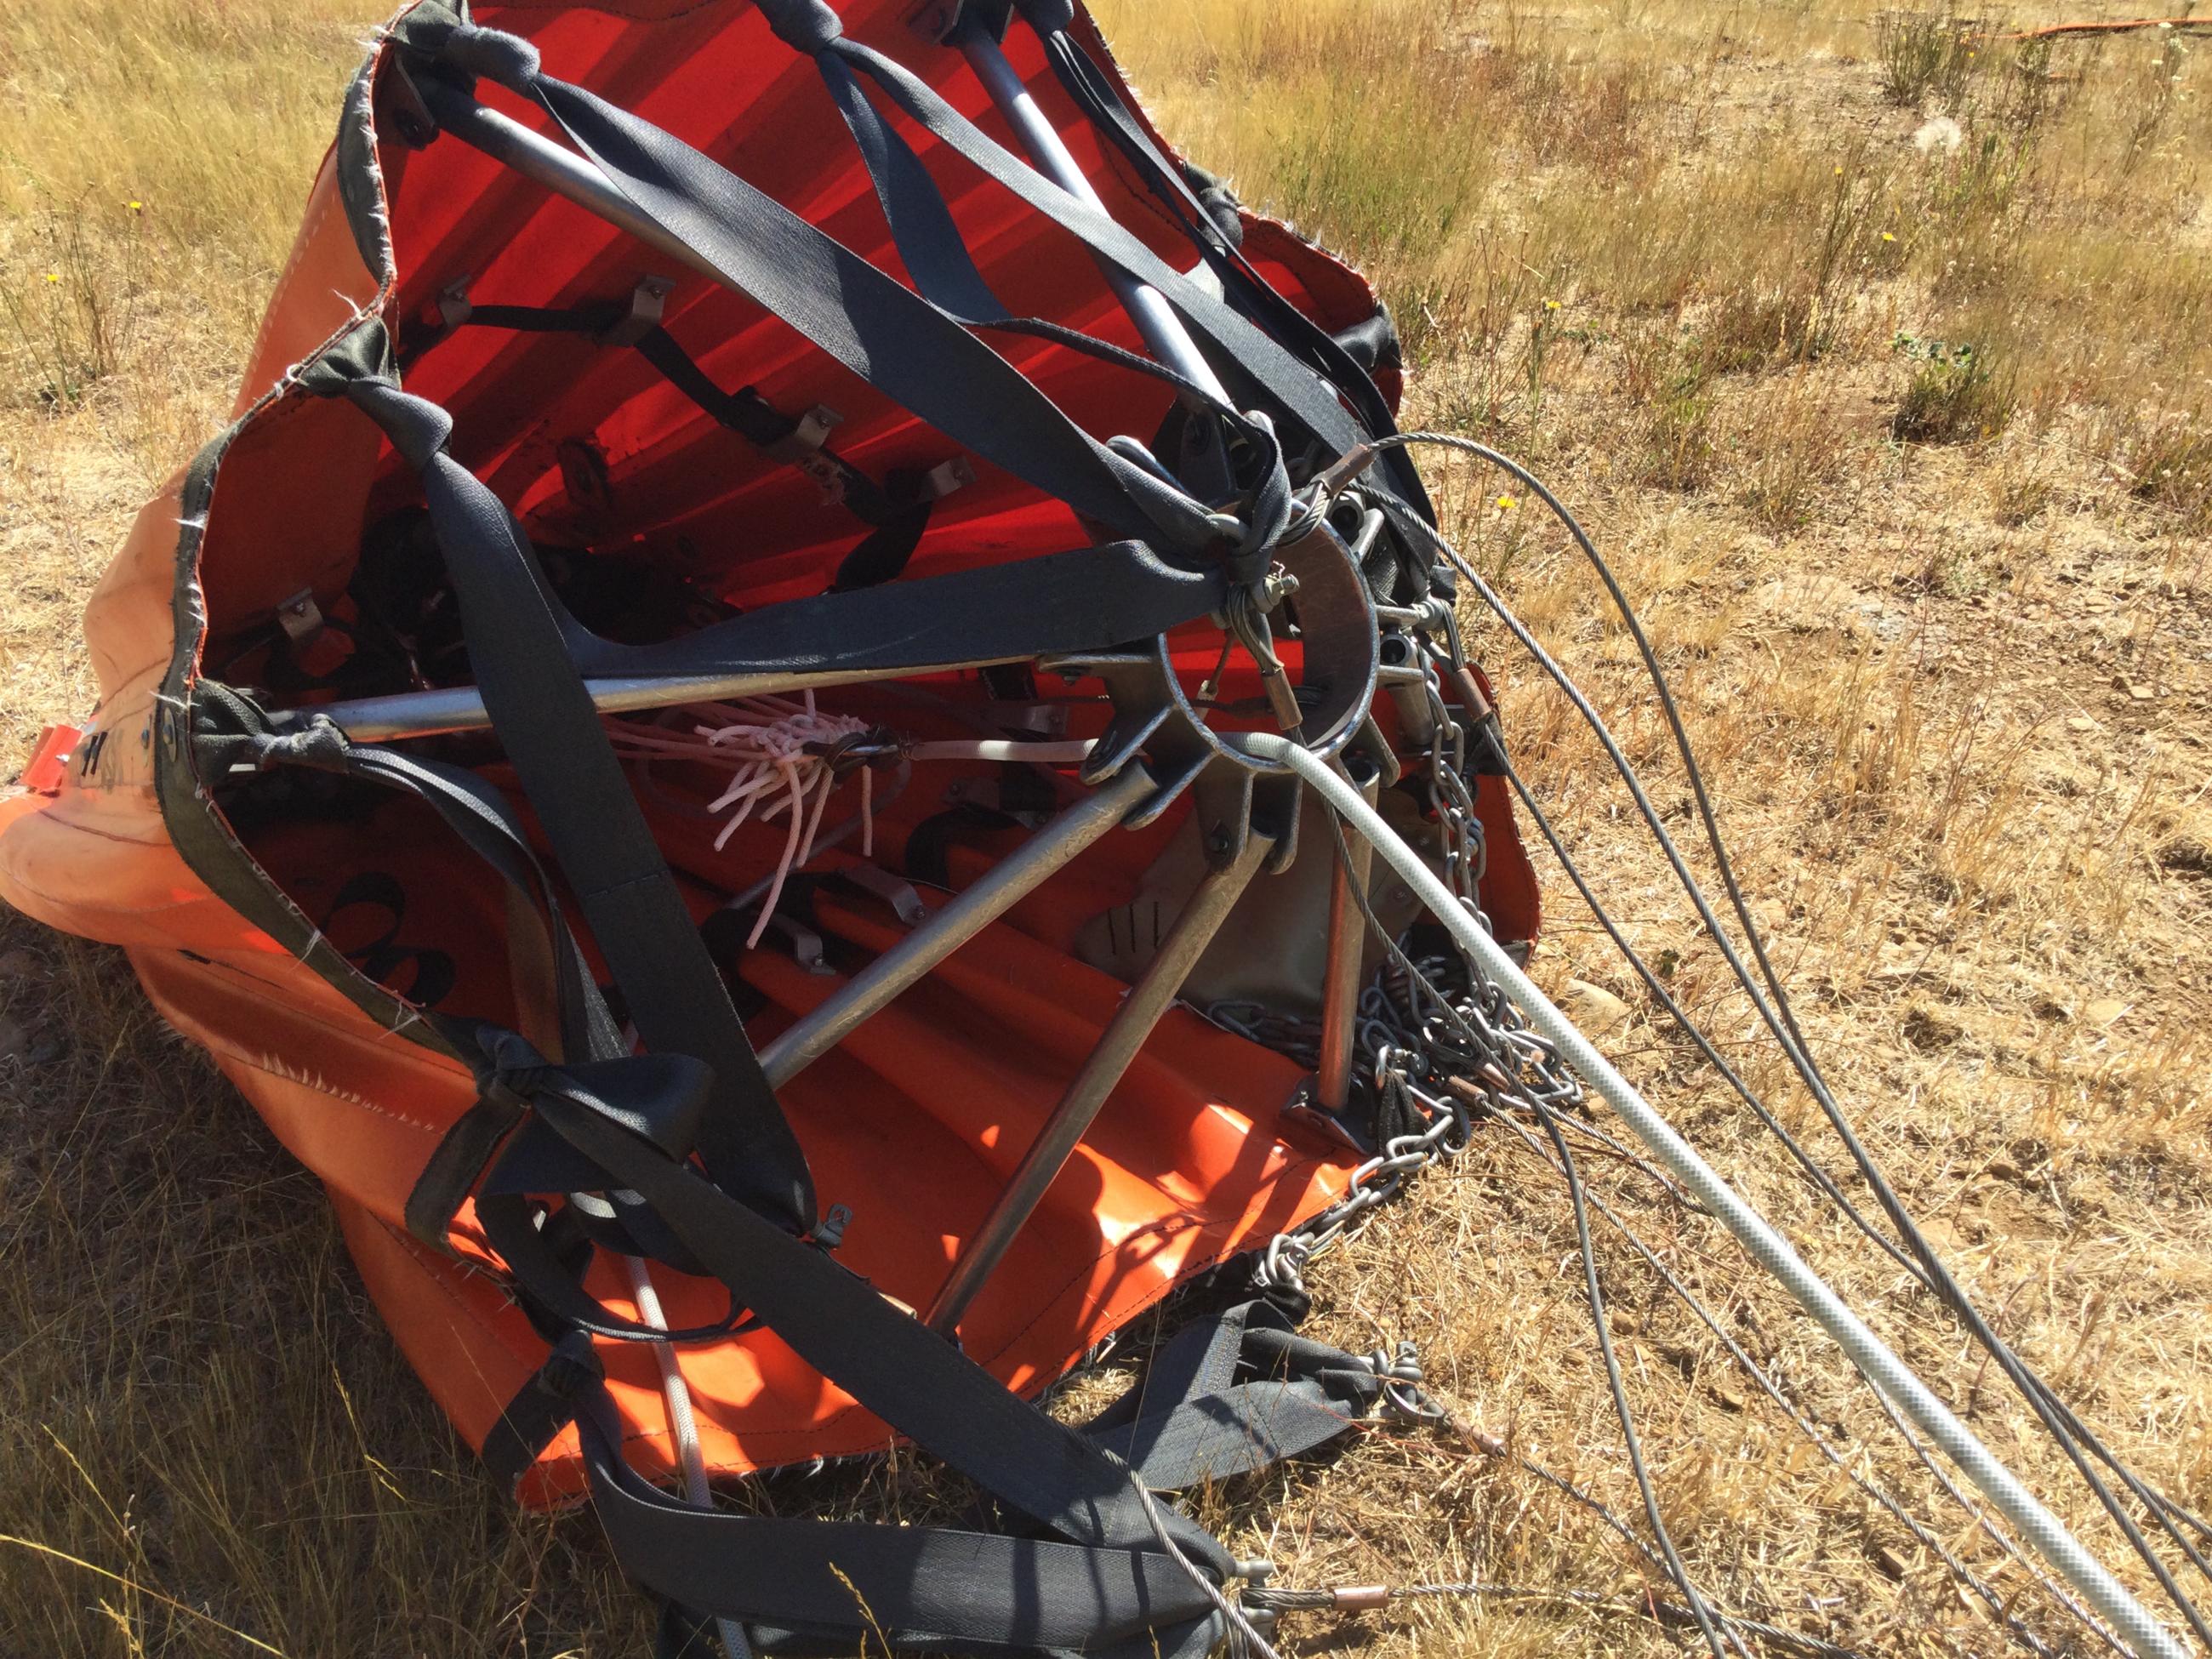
(1941, 632)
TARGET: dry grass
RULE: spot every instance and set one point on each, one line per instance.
(1938, 624)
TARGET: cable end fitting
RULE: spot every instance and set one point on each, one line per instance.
(1346, 467)
(1359, 1598)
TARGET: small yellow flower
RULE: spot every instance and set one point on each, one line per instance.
(1839, 172)
(1887, 237)
(53, 275)
(1506, 503)
(135, 206)
(1551, 305)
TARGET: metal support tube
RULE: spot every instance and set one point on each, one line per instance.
(461, 708)
(1118, 1045)
(1875, 1360)
(1155, 318)
(954, 924)
(1347, 941)
(560, 169)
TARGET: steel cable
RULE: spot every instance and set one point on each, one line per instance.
(1867, 1351)
(2065, 1428)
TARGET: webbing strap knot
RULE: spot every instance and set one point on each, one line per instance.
(805, 26)
(573, 1370)
(231, 733)
(1048, 16)
(1270, 508)
(440, 30)
(512, 1065)
(318, 744)
(507, 59)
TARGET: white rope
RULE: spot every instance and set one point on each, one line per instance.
(774, 745)
(766, 739)
(682, 1427)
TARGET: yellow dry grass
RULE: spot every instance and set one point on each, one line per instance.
(1938, 619)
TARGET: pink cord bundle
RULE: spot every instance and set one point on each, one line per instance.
(767, 739)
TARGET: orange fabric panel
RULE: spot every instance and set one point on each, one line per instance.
(916, 1121)
(325, 286)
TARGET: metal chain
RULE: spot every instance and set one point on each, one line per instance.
(1423, 1025)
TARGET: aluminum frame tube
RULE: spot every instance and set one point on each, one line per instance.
(461, 708)
(561, 170)
(1102, 1069)
(1047, 852)
(1874, 1359)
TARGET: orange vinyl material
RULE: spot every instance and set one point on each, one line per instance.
(915, 1120)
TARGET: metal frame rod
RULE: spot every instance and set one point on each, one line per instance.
(1889, 1375)
(1347, 942)
(561, 170)
(792, 1051)
(461, 708)
(1102, 1069)
(1155, 318)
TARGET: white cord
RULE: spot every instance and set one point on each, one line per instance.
(1890, 1375)
(682, 1427)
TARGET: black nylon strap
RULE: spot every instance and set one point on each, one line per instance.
(552, 735)
(800, 1584)
(743, 411)
(232, 732)
(877, 327)
(1094, 93)
(1198, 1416)
(924, 1590)
(895, 1367)
(1248, 360)
(931, 246)
(891, 1363)
(1086, 599)
(556, 1392)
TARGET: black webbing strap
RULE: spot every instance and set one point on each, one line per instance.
(1233, 1393)
(835, 1586)
(876, 326)
(887, 1360)
(1226, 1395)
(934, 252)
(557, 1392)
(1086, 599)
(1229, 1395)
(231, 734)
(552, 733)
(1094, 93)
(743, 411)
(1259, 371)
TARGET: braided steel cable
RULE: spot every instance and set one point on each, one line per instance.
(1882, 1495)
(1873, 1357)
(2073, 1437)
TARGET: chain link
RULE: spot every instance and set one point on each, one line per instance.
(1423, 1025)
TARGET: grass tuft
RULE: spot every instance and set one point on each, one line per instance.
(1927, 54)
